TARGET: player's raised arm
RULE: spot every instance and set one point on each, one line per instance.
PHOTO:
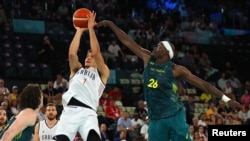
(141, 52)
(95, 49)
(74, 63)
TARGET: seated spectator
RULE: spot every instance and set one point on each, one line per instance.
(205, 97)
(3, 118)
(140, 110)
(59, 81)
(223, 109)
(221, 82)
(63, 88)
(189, 106)
(220, 120)
(230, 119)
(112, 112)
(137, 122)
(115, 93)
(144, 129)
(5, 106)
(228, 90)
(211, 110)
(191, 130)
(4, 91)
(103, 131)
(104, 100)
(245, 98)
(202, 131)
(124, 123)
(122, 136)
(41, 114)
(13, 107)
(13, 96)
(202, 119)
(49, 93)
(239, 91)
(242, 114)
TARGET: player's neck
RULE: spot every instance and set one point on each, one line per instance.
(51, 123)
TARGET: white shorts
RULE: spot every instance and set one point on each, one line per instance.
(75, 118)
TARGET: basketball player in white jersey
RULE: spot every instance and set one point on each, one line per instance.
(45, 129)
(86, 86)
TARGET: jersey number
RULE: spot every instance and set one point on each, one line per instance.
(153, 83)
(84, 80)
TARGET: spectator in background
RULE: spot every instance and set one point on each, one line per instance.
(124, 123)
(115, 93)
(211, 110)
(14, 107)
(222, 109)
(144, 129)
(228, 90)
(221, 82)
(117, 53)
(46, 50)
(245, 98)
(4, 91)
(3, 119)
(63, 10)
(234, 81)
(5, 106)
(49, 93)
(41, 114)
(13, 96)
(202, 119)
(238, 92)
(140, 110)
(104, 100)
(112, 112)
(205, 97)
(59, 81)
(137, 122)
(189, 106)
(122, 136)
(62, 89)
(242, 114)
(3, 19)
(103, 131)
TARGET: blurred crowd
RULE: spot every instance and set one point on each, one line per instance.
(118, 121)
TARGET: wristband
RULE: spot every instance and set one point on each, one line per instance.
(225, 98)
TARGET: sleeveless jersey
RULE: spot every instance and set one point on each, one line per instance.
(160, 88)
(85, 86)
(25, 135)
(46, 133)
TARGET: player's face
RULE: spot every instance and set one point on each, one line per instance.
(51, 112)
(89, 61)
(158, 51)
(3, 117)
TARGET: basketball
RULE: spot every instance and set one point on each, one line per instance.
(80, 17)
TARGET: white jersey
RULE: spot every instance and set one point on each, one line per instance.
(85, 86)
(46, 133)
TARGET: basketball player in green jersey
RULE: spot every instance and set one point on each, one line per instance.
(161, 76)
(21, 126)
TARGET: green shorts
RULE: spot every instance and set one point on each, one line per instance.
(172, 128)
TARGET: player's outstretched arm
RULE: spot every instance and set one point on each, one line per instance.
(22, 121)
(144, 54)
(95, 49)
(184, 73)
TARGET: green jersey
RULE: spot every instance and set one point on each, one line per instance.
(160, 90)
(25, 135)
